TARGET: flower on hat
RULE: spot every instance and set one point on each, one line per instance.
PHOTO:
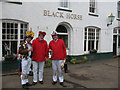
(54, 33)
(29, 33)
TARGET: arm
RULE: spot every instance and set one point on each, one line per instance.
(46, 51)
(22, 50)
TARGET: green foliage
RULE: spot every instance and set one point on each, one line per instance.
(73, 60)
(48, 63)
(93, 51)
(85, 58)
(78, 60)
(9, 56)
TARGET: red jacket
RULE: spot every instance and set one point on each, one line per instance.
(59, 49)
(40, 50)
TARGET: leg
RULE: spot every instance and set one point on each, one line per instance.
(29, 65)
(54, 66)
(24, 72)
(41, 69)
(60, 70)
(35, 66)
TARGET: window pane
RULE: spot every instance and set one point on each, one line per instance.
(118, 9)
(8, 25)
(12, 31)
(12, 25)
(8, 36)
(118, 6)
(13, 47)
(84, 45)
(3, 31)
(92, 6)
(16, 25)
(119, 31)
(118, 14)
(16, 36)
(97, 44)
(64, 3)
(21, 26)
(119, 41)
(16, 31)
(3, 25)
(25, 25)
(12, 36)
(21, 31)
(115, 31)
(5, 48)
(8, 31)
(21, 36)
(92, 9)
(3, 36)
(90, 45)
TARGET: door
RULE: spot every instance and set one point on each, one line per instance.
(114, 45)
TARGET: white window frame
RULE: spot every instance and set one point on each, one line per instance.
(116, 31)
(63, 4)
(118, 9)
(18, 31)
(94, 6)
(87, 38)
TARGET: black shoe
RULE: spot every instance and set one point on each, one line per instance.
(41, 82)
(25, 86)
(34, 83)
(30, 73)
(53, 83)
(62, 84)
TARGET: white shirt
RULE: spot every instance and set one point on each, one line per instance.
(29, 46)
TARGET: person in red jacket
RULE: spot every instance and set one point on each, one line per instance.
(57, 46)
(40, 55)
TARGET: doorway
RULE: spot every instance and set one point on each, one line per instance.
(64, 30)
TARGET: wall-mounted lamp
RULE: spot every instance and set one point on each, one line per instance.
(110, 19)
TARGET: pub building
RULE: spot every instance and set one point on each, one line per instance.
(84, 26)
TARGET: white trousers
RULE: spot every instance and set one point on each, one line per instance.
(41, 68)
(56, 64)
(25, 70)
(29, 66)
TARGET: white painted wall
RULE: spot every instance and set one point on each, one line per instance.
(33, 13)
(0, 31)
(0, 45)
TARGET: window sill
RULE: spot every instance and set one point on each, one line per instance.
(19, 3)
(64, 9)
(93, 14)
(118, 19)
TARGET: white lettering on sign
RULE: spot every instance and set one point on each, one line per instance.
(62, 15)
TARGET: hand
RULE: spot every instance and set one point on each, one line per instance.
(46, 59)
(64, 61)
(62, 64)
(31, 49)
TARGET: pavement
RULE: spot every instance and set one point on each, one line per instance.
(92, 74)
